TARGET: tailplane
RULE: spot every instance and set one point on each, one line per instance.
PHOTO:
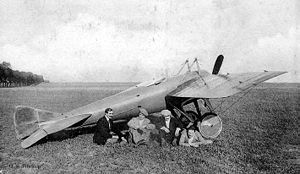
(27, 120)
(32, 124)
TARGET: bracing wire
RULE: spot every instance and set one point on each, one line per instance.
(220, 105)
(237, 100)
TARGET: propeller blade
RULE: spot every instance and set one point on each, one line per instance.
(218, 64)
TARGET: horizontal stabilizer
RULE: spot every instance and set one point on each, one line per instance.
(35, 137)
(27, 119)
(32, 124)
(52, 127)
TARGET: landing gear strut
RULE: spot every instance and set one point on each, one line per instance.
(209, 124)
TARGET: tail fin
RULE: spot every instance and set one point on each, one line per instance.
(27, 120)
(34, 124)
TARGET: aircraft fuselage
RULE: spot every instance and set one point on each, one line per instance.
(125, 104)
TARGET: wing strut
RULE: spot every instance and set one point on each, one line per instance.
(185, 63)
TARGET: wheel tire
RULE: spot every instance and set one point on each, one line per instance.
(211, 125)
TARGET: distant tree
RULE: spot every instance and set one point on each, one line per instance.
(39, 79)
(24, 78)
(2, 75)
(9, 78)
(7, 65)
(12, 78)
(17, 78)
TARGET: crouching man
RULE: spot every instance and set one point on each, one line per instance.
(140, 127)
(192, 137)
(103, 128)
(169, 128)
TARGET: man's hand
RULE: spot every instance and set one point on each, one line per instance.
(190, 124)
(165, 129)
(177, 131)
(150, 126)
(115, 136)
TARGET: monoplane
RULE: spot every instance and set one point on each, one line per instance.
(173, 93)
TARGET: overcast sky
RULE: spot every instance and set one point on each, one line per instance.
(136, 40)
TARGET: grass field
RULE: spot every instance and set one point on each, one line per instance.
(260, 135)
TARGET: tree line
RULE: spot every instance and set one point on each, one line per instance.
(15, 78)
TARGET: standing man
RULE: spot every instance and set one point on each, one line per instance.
(103, 128)
(170, 127)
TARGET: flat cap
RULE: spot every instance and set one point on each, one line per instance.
(143, 111)
(165, 113)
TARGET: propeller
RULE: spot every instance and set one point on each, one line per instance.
(218, 64)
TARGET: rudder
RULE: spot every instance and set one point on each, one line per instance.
(27, 119)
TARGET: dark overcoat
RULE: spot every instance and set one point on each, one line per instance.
(102, 131)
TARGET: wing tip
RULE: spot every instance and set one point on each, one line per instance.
(276, 73)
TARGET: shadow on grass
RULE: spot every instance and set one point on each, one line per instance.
(67, 134)
(74, 132)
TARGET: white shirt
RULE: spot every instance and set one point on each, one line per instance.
(108, 122)
(168, 122)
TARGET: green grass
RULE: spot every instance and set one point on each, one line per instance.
(260, 135)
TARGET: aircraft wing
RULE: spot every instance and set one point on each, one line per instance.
(217, 86)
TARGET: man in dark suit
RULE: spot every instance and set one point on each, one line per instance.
(103, 128)
(170, 127)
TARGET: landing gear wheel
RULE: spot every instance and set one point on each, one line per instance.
(210, 126)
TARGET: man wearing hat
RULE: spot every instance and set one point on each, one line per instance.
(170, 127)
(140, 127)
